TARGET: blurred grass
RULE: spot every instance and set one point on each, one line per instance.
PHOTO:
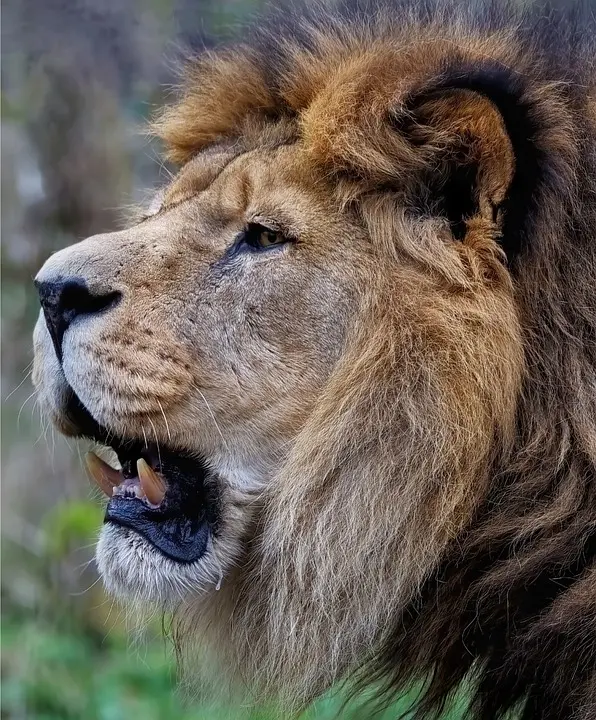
(51, 674)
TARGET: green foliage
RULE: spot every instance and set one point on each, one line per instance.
(71, 524)
(59, 675)
(52, 673)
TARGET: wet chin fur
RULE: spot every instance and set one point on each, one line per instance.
(133, 570)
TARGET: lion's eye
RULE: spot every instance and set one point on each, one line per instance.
(261, 237)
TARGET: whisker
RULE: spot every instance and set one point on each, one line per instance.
(22, 407)
(213, 418)
(87, 546)
(165, 420)
(84, 592)
(43, 423)
(83, 566)
(53, 450)
(156, 440)
(27, 376)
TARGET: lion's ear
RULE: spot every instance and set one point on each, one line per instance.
(470, 161)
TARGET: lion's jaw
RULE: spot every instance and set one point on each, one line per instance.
(213, 349)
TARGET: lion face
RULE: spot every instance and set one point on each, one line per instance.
(199, 340)
(309, 358)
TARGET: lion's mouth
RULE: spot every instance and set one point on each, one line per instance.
(166, 495)
(163, 495)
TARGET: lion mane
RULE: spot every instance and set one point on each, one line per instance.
(384, 553)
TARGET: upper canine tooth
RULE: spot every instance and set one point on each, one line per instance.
(105, 476)
(150, 481)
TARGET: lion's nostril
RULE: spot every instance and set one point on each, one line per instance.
(64, 300)
(77, 299)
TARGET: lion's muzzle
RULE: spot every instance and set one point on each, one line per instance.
(97, 384)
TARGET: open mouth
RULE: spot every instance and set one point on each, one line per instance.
(166, 495)
(162, 495)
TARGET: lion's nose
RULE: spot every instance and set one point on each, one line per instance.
(65, 299)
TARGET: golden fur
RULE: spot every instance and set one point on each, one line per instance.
(415, 411)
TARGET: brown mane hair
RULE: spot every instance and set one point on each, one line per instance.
(421, 561)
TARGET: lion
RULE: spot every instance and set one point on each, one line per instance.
(347, 363)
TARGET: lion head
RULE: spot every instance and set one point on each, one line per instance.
(346, 361)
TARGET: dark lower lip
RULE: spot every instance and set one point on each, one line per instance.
(181, 526)
(180, 538)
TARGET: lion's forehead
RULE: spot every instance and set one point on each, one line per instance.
(223, 186)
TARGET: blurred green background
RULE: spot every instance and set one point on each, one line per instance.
(79, 80)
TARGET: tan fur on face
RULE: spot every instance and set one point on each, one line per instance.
(376, 396)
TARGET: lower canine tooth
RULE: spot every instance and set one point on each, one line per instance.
(105, 476)
(151, 483)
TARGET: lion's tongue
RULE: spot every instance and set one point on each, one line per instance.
(146, 485)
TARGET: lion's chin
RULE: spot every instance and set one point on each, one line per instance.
(133, 570)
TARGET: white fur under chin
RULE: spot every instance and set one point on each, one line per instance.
(133, 570)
